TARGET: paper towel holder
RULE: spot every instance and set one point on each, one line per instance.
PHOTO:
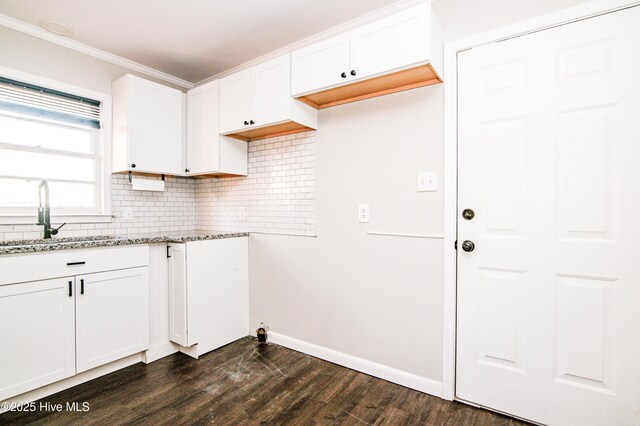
(131, 177)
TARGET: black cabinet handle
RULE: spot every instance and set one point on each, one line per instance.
(343, 75)
(81, 286)
(133, 166)
(246, 123)
(70, 291)
(168, 252)
(252, 122)
(353, 72)
(76, 263)
(186, 170)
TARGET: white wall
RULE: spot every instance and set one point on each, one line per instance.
(374, 297)
(36, 56)
(462, 18)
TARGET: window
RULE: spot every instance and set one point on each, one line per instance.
(55, 136)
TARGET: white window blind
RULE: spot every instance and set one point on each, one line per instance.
(26, 99)
(54, 136)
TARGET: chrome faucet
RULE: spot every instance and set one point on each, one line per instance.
(44, 211)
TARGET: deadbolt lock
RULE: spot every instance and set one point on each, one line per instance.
(468, 214)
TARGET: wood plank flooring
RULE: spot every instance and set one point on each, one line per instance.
(246, 383)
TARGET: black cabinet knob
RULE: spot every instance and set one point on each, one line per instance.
(353, 72)
(343, 75)
(186, 170)
(133, 166)
(246, 123)
(252, 122)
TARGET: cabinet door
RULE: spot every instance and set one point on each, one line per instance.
(155, 127)
(320, 65)
(235, 101)
(112, 316)
(271, 90)
(178, 320)
(38, 335)
(218, 291)
(393, 42)
(203, 134)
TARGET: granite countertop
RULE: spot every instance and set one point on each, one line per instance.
(34, 246)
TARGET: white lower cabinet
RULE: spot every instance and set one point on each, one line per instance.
(38, 335)
(208, 293)
(112, 316)
(56, 328)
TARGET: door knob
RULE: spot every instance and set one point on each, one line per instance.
(468, 214)
(468, 245)
(246, 123)
(353, 73)
(252, 122)
(343, 75)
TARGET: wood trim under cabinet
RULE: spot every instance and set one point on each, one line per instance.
(280, 129)
(420, 76)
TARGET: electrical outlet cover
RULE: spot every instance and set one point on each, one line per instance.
(363, 213)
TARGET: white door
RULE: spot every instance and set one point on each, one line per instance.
(235, 102)
(155, 127)
(112, 316)
(38, 335)
(203, 135)
(271, 91)
(390, 43)
(549, 299)
(320, 65)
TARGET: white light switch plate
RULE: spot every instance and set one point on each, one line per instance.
(427, 181)
(363, 213)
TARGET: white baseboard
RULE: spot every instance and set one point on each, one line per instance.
(160, 351)
(413, 381)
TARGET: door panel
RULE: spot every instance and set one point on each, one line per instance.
(156, 127)
(39, 335)
(235, 101)
(203, 134)
(271, 83)
(320, 65)
(393, 42)
(178, 308)
(548, 146)
(112, 316)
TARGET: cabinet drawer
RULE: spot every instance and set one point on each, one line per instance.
(63, 263)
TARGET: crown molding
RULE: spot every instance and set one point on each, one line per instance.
(333, 31)
(14, 24)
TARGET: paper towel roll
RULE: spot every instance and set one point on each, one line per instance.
(138, 184)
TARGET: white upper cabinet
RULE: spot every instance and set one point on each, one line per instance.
(271, 91)
(235, 101)
(393, 42)
(208, 153)
(322, 64)
(148, 127)
(256, 103)
(399, 52)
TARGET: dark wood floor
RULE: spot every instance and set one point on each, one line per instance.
(246, 383)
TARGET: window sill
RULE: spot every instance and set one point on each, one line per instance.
(71, 218)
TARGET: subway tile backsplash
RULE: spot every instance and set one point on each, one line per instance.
(277, 197)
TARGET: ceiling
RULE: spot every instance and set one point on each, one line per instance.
(191, 39)
(196, 39)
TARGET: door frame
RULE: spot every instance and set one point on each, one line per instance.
(451, 50)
